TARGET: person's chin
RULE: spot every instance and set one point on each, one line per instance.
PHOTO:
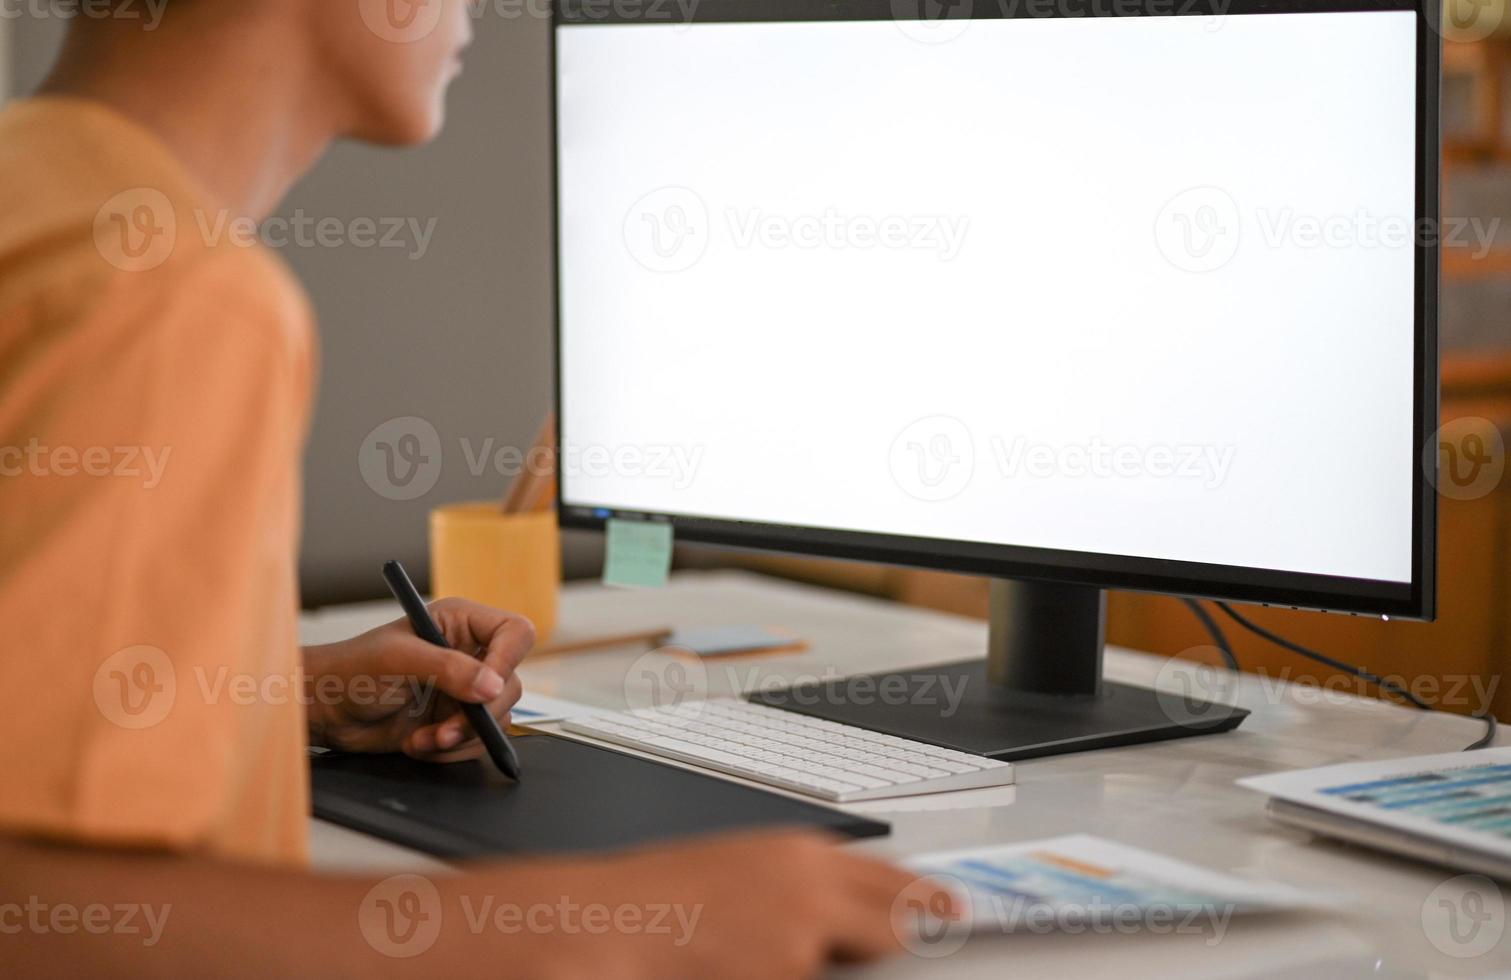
(411, 130)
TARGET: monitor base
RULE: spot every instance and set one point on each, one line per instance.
(955, 706)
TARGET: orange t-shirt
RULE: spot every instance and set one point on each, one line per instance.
(154, 398)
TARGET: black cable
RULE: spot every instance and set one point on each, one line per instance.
(1219, 638)
(1389, 687)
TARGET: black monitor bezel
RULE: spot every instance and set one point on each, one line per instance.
(1414, 600)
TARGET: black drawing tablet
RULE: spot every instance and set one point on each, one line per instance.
(574, 797)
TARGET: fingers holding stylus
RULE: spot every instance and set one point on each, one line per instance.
(455, 734)
(501, 640)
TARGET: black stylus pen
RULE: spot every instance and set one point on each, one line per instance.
(482, 721)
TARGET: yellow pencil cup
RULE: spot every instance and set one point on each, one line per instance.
(510, 561)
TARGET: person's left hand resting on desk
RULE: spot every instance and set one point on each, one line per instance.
(388, 690)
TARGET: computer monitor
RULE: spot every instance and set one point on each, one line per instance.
(1075, 294)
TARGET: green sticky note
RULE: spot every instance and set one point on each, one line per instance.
(638, 555)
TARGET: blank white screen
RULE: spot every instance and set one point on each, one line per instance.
(1151, 238)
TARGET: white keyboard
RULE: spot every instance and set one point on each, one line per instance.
(792, 751)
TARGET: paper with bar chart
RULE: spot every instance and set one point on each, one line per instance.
(1458, 797)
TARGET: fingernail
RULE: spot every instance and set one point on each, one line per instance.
(448, 737)
(487, 685)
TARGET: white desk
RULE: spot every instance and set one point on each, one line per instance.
(1175, 797)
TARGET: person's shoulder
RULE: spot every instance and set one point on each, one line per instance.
(97, 216)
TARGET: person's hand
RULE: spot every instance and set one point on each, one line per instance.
(388, 690)
(766, 905)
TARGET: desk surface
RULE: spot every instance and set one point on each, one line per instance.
(1175, 797)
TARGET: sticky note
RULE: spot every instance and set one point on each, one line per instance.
(638, 554)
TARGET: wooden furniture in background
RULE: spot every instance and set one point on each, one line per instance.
(1460, 660)
(1484, 67)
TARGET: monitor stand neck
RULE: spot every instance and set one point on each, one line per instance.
(1046, 638)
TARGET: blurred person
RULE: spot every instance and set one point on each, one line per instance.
(157, 382)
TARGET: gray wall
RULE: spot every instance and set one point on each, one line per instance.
(459, 337)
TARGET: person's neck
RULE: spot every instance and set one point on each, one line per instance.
(236, 110)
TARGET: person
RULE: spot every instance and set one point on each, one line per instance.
(157, 365)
